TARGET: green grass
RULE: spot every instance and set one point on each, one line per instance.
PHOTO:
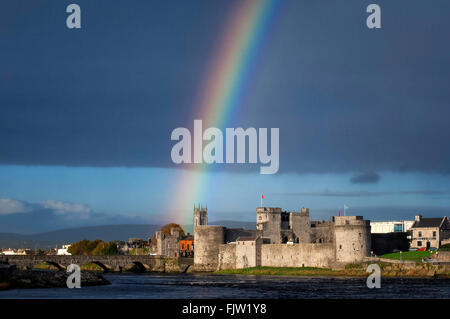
(139, 251)
(355, 266)
(408, 255)
(281, 271)
(91, 266)
(45, 265)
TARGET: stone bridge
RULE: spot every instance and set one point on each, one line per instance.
(108, 263)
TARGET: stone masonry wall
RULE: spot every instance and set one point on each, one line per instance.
(322, 233)
(297, 255)
(248, 253)
(227, 256)
(352, 238)
(207, 240)
(301, 226)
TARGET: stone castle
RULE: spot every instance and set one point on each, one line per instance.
(281, 239)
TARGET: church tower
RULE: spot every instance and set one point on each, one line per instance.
(200, 216)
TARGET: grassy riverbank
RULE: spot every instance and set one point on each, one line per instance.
(88, 266)
(287, 271)
(351, 270)
(416, 256)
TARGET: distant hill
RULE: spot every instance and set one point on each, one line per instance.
(107, 233)
(70, 235)
(234, 224)
(8, 240)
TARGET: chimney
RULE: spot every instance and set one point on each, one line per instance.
(418, 217)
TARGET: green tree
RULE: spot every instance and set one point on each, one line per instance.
(84, 247)
(105, 248)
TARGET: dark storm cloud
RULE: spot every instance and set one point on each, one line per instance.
(366, 178)
(345, 98)
(363, 193)
(15, 216)
(384, 213)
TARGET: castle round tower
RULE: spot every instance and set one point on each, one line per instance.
(206, 240)
(206, 245)
(352, 238)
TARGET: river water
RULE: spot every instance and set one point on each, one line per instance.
(134, 286)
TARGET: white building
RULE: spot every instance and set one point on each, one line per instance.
(11, 252)
(8, 252)
(63, 250)
(391, 226)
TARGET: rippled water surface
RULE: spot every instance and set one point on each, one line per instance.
(133, 286)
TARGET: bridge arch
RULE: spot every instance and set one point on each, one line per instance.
(136, 266)
(105, 267)
(48, 262)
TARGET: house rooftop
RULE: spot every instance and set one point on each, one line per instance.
(428, 222)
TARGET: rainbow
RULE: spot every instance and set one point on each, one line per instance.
(224, 86)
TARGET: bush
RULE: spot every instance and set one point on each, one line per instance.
(445, 247)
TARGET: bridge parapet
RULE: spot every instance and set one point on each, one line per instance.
(108, 263)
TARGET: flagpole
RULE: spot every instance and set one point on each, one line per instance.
(261, 200)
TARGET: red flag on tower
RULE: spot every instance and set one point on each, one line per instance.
(339, 212)
(262, 196)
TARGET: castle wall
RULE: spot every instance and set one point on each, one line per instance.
(227, 256)
(301, 227)
(322, 233)
(297, 255)
(207, 240)
(248, 253)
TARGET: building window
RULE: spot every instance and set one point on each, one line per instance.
(419, 243)
(420, 234)
(398, 228)
(434, 234)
